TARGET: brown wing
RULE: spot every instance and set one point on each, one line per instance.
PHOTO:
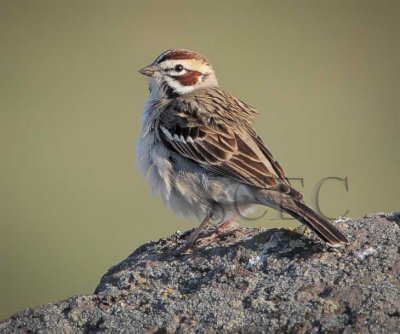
(219, 140)
(277, 167)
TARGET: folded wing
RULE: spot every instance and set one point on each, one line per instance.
(209, 137)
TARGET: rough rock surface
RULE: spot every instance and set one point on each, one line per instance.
(247, 281)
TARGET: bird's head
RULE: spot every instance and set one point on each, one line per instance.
(177, 72)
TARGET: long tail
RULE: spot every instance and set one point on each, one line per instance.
(318, 224)
(303, 213)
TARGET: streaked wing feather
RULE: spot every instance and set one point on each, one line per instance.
(208, 136)
(276, 165)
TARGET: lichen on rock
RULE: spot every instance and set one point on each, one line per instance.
(249, 280)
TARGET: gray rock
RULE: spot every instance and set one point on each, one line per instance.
(247, 281)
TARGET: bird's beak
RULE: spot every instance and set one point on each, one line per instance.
(148, 70)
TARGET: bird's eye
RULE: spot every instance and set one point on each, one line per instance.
(178, 68)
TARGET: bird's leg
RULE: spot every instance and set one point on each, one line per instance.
(227, 225)
(195, 234)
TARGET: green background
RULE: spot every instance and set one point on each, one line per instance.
(323, 74)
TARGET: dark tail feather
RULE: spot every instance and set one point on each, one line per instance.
(318, 224)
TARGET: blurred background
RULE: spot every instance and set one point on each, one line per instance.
(323, 74)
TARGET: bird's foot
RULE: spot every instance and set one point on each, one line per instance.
(226, 226)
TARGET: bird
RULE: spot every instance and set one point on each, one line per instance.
(202, 155)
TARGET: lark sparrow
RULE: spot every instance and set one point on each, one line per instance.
(202, 153)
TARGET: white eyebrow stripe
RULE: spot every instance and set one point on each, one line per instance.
(173, 62)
